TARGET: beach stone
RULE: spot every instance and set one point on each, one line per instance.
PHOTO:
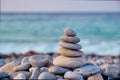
(57, 70)
(20, 76)
(70, 39)
(73, 76)
(44, 69)
(25, 60)
(70, 32)
(38, 60)
(70, 53)
(26, 73)
(111, 70)
(95, 77)
(35, 73)
(22, 67)
(8, 68)
(59, 77)
(68, 62)
(87, 70)
(70, 45)
(47, 75)
(2, 62)
(3, 75)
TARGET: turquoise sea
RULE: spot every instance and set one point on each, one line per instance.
(21, 32)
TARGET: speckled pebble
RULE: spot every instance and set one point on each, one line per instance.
(95, 77)
(70, 32)
(25, 60)
(20, 76)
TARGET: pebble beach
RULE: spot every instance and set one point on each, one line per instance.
(70, 63)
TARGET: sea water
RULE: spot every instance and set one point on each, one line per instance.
(21, 32)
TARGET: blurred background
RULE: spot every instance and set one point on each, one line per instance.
(38, 24)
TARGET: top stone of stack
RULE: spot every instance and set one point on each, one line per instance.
(70, 32)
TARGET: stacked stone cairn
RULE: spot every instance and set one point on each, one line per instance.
(71, 56)
(71, 64)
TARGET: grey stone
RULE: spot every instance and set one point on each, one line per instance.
(25, 60)
(35, 73)
(47, 75)
(70, 53)
(111, 70)
(87, 70)
(44, 69)
(20, 76)
(22, 67)
(73, 76)
(38, 60)
(57, 70)
(70, 39)
(70, 45)
(70, 32)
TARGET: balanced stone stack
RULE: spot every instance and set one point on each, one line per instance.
(71, 55)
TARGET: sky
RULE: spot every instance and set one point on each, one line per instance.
(59, 6)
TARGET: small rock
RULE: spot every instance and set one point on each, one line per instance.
(35, 73)
(70, 32)
(95, 77)
(68, 62)
(38, 60)
(44, 69)
(2, 62)
(59, 77)
(70, 53)
(111, 70)
(26, 73)
(47, 75)
(3, 75)
(20, 76)
(70, 45)
(87, 70)
(25, 60)
(22, 67)
(73, 76)
(70, 39)
(57, 70)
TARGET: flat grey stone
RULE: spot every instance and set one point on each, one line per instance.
(70, 39)
(87, 70)
(57, 70)
(46, 75)
(70, 45)
(38, 60)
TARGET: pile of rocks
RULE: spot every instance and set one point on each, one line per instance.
(71, 56)
(71, 64)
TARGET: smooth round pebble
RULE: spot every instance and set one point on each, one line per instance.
(70, 53)
(38, 60)
(25, 60)
(70, 45)
(20, 76)
(68, 62)
(111, 70)
(73, 76)
(87, 70)
(95, 77)
(57, 70)
(22, 67)
(47, 75)
(70, 32)
(3, 75)
(35, 73)
(70, 39)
